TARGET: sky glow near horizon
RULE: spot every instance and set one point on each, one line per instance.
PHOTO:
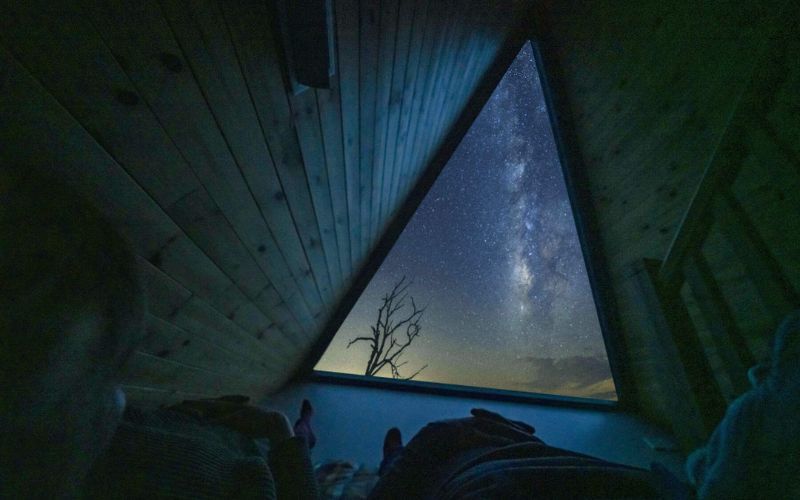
(494, 254)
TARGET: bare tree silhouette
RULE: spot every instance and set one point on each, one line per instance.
(387, 345)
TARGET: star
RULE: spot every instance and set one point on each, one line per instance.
(494, 252)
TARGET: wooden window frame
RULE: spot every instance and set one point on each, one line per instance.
(571, 163)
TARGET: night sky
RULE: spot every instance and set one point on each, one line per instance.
(494, 254)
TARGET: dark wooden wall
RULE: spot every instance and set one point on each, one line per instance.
(668, 102)
(251, 207)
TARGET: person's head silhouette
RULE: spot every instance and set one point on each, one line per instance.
(71, 313)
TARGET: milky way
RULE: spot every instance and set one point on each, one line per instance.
(494, 252)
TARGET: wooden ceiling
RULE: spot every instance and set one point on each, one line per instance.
(252, 207)
(656, 95)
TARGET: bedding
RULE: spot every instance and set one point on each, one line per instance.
(343, 480)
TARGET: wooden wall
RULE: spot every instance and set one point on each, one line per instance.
(251, 207)
(660, 94)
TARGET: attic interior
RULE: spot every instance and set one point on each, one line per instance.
(259, 208)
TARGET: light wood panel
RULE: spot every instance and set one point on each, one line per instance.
(248, 23)
(252, 207)
(424, 37)
(388, 63)
(407, 10)
(201, 31)
(68, 58)
(658, 96)
(328, 102)
(139, 33)
(347, 45)
(368, 52)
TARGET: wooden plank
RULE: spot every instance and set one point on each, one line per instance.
(726, 158)
(147, 370)
(434, 90)
(369, 33)
(170, 301)
(270, 257)
(387, 65)
(776, 293)
(152, 398)
(43, 133)
(471, 53)
(669, 125)
(432, 40)
(200, 218)
(700, 408)
(139, 35)
(36, 130)
(771, 150)
(410, 87)
(330, 115)
(405, 29)
(306, 118)
(474, 50)
(695, 224)
(248, 23)
(217, 344)
(149, 398)
(347, 29)
(728, 340)
(752, 318)
(305, 113)
(202, 33)
(447, 99)
(779, 123)
(77, 69)
(453, 73)
(169, 341)
(741, 28)
(770, 192)
(444, 55)
(485, 44)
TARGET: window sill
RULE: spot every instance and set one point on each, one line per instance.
(463, 391)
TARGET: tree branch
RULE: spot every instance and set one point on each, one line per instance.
(386, 348)
(357, 339)
(416, 373)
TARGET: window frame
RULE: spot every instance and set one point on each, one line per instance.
(462, 391)
(583, 216)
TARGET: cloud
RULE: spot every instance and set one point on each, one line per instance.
(580, 376)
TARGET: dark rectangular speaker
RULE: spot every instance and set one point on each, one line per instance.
(307, 29)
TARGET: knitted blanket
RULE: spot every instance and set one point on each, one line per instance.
(755, 451)
(166, 454)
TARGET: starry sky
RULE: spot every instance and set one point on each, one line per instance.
(494, 255)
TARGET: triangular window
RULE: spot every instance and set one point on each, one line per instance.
(493, 256)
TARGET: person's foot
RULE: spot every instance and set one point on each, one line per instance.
(392, 441)
(392, 449)
(303, 425)
(306, 410)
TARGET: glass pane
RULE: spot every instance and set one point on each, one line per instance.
(493, 257)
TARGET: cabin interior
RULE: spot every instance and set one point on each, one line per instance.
(260, 206)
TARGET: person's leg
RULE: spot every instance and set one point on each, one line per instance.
(392, 448)
(302, 427)
(441, 448)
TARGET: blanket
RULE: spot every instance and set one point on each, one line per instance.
(755, 450)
